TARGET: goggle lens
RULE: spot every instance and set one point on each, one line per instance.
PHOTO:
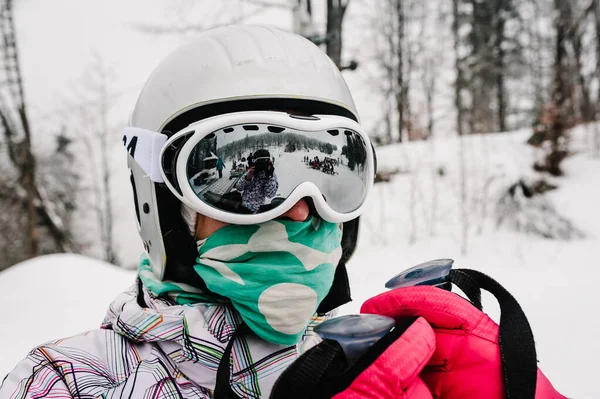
(253, 168)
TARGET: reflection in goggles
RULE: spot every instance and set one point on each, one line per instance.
(254, 168)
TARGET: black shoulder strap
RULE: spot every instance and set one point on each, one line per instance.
(223, 384)
(463, 280)
(517, 346)
(303, 378)
(323, 371)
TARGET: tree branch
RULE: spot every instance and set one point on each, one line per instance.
(54, 223)
(266, 4)
(196, 27)
(8, 133)
(158, 29)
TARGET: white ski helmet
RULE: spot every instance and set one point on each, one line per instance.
(235, 63)
(229, 69)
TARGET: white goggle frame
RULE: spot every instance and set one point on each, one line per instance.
(149, 148)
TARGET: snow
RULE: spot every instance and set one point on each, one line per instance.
(52, 297)
(414, 218)
(553, 280)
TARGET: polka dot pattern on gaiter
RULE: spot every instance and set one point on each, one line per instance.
(288, 307)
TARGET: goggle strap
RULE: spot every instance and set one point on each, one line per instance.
(144, 146)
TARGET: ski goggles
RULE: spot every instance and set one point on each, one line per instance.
(251, 167)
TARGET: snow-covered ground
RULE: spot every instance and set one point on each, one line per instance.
(554, 280)
(51, 297)
(414, 218)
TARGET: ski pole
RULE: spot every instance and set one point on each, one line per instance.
(435, 273)
(355, 333)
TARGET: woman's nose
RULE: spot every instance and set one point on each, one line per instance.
(299, 212)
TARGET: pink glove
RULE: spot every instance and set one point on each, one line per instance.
(466, 363)
(395, 373)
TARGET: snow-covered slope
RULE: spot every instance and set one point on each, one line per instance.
(554, 280)
(52, 297)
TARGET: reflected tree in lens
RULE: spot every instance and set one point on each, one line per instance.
(355, 151)
(291, 142)
(202, 164)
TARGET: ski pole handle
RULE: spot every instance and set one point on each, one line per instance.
(435, 273)
(355, 333)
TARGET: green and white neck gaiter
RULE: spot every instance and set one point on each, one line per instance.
(275, 274)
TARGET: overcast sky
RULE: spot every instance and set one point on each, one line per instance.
(57, 40)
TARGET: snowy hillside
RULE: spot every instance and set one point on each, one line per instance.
(415, 217)
(554, 280)
(51, 297)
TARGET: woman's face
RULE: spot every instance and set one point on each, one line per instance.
(206, 226)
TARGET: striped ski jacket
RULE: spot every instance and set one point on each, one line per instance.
(150, 348)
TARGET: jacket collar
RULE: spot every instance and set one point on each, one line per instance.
(195, 336)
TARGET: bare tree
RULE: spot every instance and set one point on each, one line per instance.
(570, 100)
(429, 84)
(562, 98)
(335, 18)
(574, 36)
(98, 139)
(395, 59)
(400, 92)
(459, 83)
(501, 10)
(595, 7)
(59, 185)
(302, 19)
(302, 11)
(532, 24)
(385, 53)
(17, 132)
(29, 196)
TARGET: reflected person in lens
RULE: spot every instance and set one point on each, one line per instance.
(259, 182)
